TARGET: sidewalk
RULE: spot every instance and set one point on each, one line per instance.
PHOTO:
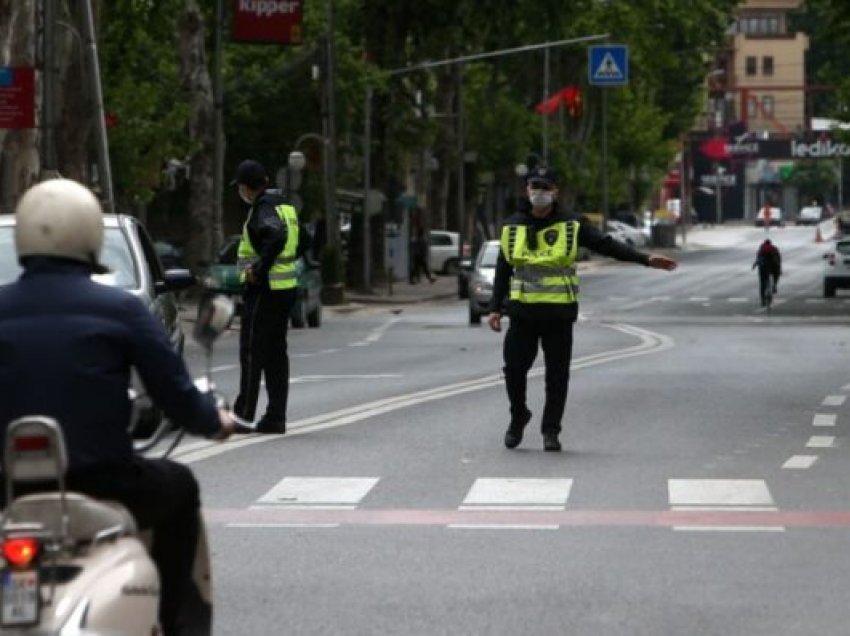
(403, 293)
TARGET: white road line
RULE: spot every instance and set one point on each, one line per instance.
(376, 334)
(649, 342)
(738, 300)
(321, 378)
(821, 441)
(698, 299)
(524, 493)
(834, 400)
(319, 491)
(800, 462)
(729, 528)
(824, 419)
(282, 525)
(497, 526)
(719, 492)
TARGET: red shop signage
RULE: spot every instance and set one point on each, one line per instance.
(276, 21)
(17, 97)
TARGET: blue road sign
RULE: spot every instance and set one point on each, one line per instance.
(608, 65)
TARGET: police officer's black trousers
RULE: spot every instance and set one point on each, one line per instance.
(520, 349)
(262, 351)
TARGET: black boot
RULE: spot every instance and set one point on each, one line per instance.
(513, 436)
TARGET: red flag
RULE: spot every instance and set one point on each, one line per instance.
(572, 99)
(549, 105)
(570, 96)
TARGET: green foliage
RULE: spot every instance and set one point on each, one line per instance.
(814, 178)
(142, 91)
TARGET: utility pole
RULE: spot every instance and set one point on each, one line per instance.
(367, 181)
(218, 153)
(545, 116)
(331, 215)
(105, 171)
(49, 162)
(461, 194)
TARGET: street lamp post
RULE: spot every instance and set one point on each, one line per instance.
(718, 192)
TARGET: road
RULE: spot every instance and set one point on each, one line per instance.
(704, 487)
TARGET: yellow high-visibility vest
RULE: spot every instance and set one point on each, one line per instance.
(282, 274)
(546, 274)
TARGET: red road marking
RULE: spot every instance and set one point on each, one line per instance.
(432, 517)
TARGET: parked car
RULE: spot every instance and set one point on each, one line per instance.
(133, 265)
(836, 269)
(626, 233)
(443, 252)
(481, 281)
(223, 277)
(169, 254)
(775, 217)
(810, 215)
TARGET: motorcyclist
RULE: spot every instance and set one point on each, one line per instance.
(67, 346)
(769, 263)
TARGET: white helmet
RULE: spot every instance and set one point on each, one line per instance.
(61, 218)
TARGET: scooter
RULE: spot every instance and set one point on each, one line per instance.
(73, 565)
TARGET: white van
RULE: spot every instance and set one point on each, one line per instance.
(775, 217)
(810, 215)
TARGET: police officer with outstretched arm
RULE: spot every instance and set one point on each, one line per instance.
(536, 280)
(272, 241)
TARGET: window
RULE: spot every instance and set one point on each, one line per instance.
(773, 24)
(751, 65)
(767, 105)
(767, 65)
(751, 107)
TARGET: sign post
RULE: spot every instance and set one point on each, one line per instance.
(607, 65)
(17, 97)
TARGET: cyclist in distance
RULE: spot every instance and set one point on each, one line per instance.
(769, 263)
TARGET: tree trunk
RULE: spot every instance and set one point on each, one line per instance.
(19, 154)
(204, 233)
(75, 106)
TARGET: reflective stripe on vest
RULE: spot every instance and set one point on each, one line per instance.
(282, 274)
(546, 274)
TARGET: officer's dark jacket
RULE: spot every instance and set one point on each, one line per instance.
(267, 234)
(66, 347)
(589, 236)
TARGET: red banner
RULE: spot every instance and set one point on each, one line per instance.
(17, 97)
(275, 21)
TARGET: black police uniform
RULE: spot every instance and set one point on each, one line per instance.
(265, 318)
(67, 345)
(545, 325)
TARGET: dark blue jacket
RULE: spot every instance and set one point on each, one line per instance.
(67, 345)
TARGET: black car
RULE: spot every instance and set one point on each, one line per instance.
(133, 264)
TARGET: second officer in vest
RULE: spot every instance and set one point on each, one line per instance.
(272, 240)
(536, 281)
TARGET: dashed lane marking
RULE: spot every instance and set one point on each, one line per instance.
(821, 441)
(824, 419)
(800, 462)
(834, 400)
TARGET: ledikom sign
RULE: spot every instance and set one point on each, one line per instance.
(275, 21)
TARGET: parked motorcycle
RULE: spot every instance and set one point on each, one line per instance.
(75, 565)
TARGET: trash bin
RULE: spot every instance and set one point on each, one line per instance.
(663, 235)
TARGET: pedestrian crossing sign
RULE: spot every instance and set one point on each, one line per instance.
(608, 65)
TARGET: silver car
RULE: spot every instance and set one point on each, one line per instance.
(134, 266)
(481, 281)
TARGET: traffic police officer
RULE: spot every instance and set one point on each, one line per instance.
(536, 281)
(272, 241)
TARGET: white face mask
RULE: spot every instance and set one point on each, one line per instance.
(541, 198)
(244, 196)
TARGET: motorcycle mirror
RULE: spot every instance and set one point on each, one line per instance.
(214, 316)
